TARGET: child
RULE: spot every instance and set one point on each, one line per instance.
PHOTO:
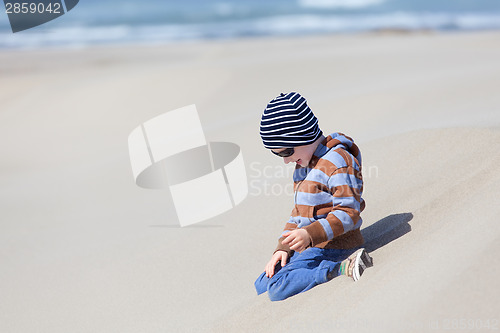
(320, 239)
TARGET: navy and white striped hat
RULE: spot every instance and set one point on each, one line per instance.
(287, 121)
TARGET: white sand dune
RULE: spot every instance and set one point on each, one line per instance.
(437, 190)
(83, 249)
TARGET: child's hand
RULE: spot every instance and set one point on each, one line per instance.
(297, 239)
(277, 256)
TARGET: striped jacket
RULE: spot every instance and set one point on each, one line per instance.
(327, 196)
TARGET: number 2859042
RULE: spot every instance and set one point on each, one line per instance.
(32, 8)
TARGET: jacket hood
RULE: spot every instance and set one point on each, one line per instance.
(338, 140)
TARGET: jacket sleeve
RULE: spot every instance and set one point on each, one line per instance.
(288, 227)
(346, 187)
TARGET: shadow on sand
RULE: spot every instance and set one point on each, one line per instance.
(386, 230)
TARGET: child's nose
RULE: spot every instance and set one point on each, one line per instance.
(287, 159)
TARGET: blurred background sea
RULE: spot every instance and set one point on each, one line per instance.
(165, 21)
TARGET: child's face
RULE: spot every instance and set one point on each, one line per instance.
(302, 155)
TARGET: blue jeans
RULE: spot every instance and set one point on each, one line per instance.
(303, 271)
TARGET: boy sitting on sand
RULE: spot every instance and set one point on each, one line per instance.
(321, 240)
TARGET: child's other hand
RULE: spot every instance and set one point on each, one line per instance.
(297, 239)
(277, 256)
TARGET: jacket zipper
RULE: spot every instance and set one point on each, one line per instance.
(296, 191)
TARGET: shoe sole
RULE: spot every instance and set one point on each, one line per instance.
(362, 262)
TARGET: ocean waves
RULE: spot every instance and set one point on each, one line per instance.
(79, 35)
(351, 4)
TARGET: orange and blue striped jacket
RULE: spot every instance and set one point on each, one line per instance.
(327, 196)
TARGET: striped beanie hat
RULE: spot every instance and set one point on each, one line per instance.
(287, 121)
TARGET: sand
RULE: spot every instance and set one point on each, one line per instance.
(83, 249)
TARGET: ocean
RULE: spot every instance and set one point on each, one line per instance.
(94, 22)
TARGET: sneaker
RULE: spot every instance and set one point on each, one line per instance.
(355, 264)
